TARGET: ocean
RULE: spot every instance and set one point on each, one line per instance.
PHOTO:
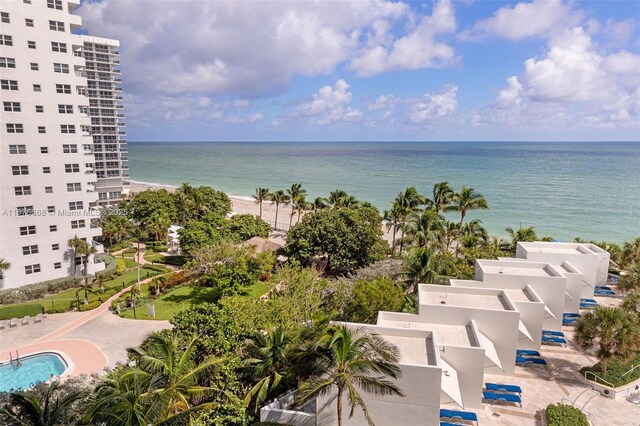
(564, 190)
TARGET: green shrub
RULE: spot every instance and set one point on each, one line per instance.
(160, 248)
(130, 251)
(19, 311)
(565, 415)
(38, 290)
(174, 260)
(89, 306)
(121, 266)
(58, 309)
(110, 265)
(155, 268)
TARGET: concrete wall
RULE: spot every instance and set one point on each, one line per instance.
(469, 365)
(532, 316)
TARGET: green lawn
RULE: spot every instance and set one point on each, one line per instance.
(183, 297)
(63, 298)
(152, 256)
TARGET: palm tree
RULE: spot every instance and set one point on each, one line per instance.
(318, 203)
(133, 292)
(296, 195)
(138, 234)
(4, 265)
(160, 282)
(615, 331)
(75, 244)
(522, 234)
(46, 405)
(266, 362)
(420, 267)
(468, 199)
(177, 375)
(336, 198)
(442, 197)
(405, 204)
(426, 228)
(631, 280)
(452, 231)
(278, 197)
(391, 218)
(300, 207)
(631, 303)
(261, 195)
(473, 233)
(351, 360)
(158, 224)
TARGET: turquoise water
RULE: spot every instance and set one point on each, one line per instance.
(565, 190)
(33, 369)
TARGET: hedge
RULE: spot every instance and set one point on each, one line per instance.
(110, 265)
(121, 266)
(58, 309)
(565, 415)
(90, 305)
(19, 311)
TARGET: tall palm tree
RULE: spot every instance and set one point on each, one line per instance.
(45, 405)
(615, 331)
(300, 207)
(139, 235)
(473, 232)
(630, 281)
(75, 244)
(318, 203)
(261, 195)
(521, 234)
(405, 204)
(296, 195)
(452, 231)
(160, 282)
(4, 265)
(174, 367)
(391, 218)
(133, 292)
(420, 267)
(351, 361)
(158, 224)
(336, 197)
(426, 228)
(468, 199)
(278, 197)
(265, 363)
(442, 197)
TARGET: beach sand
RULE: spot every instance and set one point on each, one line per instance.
(245, 205)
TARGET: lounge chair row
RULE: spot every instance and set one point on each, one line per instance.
(502, 387)
(453, 415)
(527, 356)
(570, 318)
(551, 339)
(604, 293)
(13, 322)
(552, 333)
(506, 397)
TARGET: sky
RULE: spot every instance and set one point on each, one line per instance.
(543, 70)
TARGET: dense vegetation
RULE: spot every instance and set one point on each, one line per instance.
(565, 415)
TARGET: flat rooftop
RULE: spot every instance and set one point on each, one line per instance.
(520, 295)
(562, 248)
(465, 300)
(455, 335)
(516, 267)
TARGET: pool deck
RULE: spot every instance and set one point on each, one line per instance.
(93, 340)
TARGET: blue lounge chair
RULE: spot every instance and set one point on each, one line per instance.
(571, 315)
(499, 387)
(546, 339)
(589, 300)
(604, 293)
(525, 360)
(450, 424)
(553, 333)
(569, 321)
(602, 287)
(455, 414)
(507, 397)
(445, 413)
(527, 352)
(588, 305)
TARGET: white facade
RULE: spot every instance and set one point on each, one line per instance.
(47, 160)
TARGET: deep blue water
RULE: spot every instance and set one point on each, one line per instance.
(565, 190)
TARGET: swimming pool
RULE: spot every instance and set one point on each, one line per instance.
(33, 369)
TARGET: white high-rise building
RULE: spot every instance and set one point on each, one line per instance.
(48, 155)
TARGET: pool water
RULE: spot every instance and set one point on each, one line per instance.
(32, 369)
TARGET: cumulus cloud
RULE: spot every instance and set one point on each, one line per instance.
(330, 104)
(434, 105)
(538, 18)
(381, 102)
(418, 49)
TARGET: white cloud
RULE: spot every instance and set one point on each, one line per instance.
(538, 18)
(381, 102)
(415, 50)
(435, 105)
(253, 118)
(511, 95)
(238, 48)
(352, 115)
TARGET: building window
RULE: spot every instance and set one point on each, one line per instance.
(65, 109)
(55, 247)
(22, 190)
(46, 170)
(25, 210)
(62, 68)
(72, 168)
(27, 230)
(39, 108)
(6, 40)
(32, 269)
(74, 187)
(17, 149)
(56, 26)
(63, 88)
(31, 44)
(26, 1)
(57, 265)
(4, 18)
(48, 189)
(9, 84)
(27, 250)
(67, 128)
(54, 4)
(51, 209)
(42, 129)
(7, 62)
(19, 170)
(53, 228)
(59, 47)
(34, 66)
(11, 106)
(69, 149)
(76, 224)
(75, 205)
(44, 150)
(28, 22)
(37, 88)
(14, 128)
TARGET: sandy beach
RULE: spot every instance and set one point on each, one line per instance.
(244, 205)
